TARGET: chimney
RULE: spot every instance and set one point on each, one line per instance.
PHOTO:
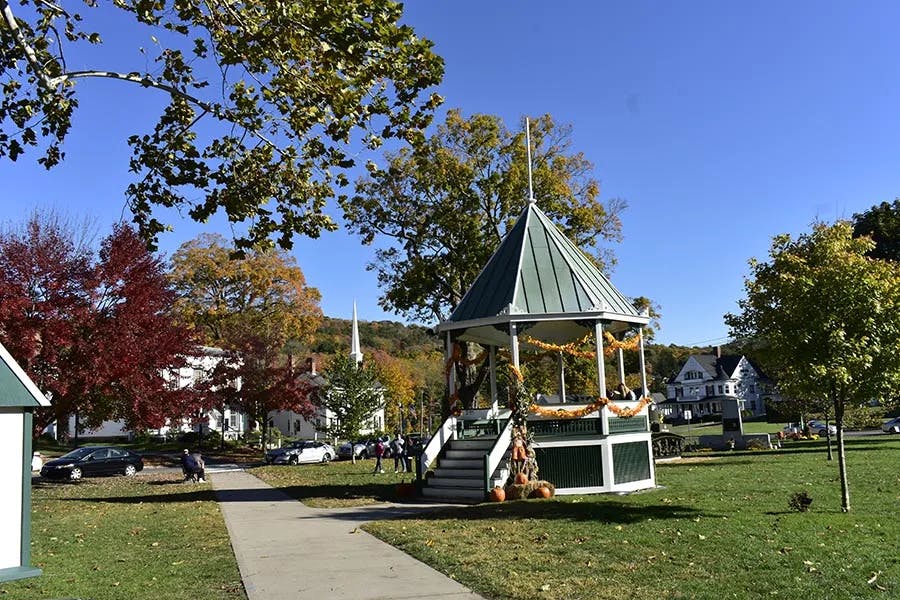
(718, 351)
(311, 365)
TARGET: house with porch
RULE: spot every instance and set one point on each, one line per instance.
(539, 293)
(706, 381)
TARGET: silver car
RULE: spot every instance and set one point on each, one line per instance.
(820, 429)
(892, 426)
(301, 452)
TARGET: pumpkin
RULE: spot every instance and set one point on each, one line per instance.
(521, 478)
(498, 494)
(542, 492)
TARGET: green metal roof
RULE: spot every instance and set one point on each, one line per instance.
(537, 270)
(16, 388)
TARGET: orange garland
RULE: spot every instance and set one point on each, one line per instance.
(596, 405)
(612, 344)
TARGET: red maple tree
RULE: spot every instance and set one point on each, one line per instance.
(93, 330)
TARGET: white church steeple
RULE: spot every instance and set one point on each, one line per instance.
(355, 353)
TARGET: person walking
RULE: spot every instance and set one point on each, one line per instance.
(379, 452)
(397, 447)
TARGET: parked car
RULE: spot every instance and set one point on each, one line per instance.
(37, 461)
(892, 426)
(93, 460)
(301, 452)
(359, 450)
(820, 429)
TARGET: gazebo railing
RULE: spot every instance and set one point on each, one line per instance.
(494, 457)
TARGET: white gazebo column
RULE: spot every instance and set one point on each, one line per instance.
(451, 372)
(561, 374)
(621, 366)
(492, 365)
(606, 457)
(513, 345)
(643, 365)
(601, 366)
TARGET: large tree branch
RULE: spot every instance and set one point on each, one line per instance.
(147, 81)
(30, 54)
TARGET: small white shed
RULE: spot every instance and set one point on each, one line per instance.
(19, 396)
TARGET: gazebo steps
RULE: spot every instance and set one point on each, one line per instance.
(459, 473)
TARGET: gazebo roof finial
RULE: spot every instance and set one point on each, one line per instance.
(531, 199)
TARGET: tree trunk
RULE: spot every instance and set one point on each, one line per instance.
(470, 377)
(842, 459)
(828, 437)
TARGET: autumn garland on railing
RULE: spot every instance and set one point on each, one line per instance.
(572, 348)
(559, 413)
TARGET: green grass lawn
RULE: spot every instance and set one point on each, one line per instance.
(335, 484)
(698, 429)
(719, 527)
(146, 537)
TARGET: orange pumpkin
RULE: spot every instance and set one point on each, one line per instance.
(498, 494)
(521, 478)
(542, 492)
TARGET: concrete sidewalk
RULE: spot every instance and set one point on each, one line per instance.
(288, 551)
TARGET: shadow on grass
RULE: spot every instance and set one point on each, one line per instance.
(600, 510)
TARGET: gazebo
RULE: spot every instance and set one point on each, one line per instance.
(19, 396)
(539, 291)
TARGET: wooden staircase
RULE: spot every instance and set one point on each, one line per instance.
(459, 471)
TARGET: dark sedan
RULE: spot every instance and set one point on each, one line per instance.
(93, 460)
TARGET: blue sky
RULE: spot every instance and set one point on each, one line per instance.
(721, 124)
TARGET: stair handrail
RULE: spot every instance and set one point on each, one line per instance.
(444, 434)
(493, 458)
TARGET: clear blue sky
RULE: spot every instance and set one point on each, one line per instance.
(721, 124)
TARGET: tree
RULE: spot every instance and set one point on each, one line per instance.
(829, 318)
(399, 393)
(254, 307)
(264, 99)
(94, 331)
(352, 394)
(440, 209)
(882, 224)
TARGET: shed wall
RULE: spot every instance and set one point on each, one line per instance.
(11, 444)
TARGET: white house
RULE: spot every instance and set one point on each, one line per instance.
(706, 380)
(19, 396)
(193, 373)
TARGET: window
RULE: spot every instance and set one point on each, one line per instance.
(710, 390)
(721, 389)
(752, 388)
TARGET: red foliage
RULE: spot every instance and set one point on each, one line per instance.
(95, 332)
